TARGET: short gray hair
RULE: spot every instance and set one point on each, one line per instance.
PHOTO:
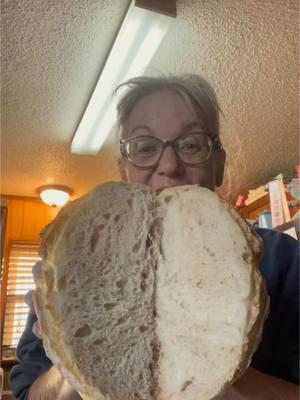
(194, 89)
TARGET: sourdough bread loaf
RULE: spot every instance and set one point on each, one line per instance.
(146, 297)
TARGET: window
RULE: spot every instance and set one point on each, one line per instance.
(22, 256)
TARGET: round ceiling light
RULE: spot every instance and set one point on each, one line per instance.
(54, 195)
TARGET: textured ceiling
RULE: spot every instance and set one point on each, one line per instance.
(53, 52)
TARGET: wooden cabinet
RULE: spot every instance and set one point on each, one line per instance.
(253, 210)
(26, 218)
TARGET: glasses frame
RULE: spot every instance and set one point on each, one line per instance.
(215, 144)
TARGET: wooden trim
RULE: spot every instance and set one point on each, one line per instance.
(14, 197)
(265, 200)
(166, 7)
(3, 290)
(263, 203)
(3, 225)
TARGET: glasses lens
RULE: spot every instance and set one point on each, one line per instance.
(144, 151)
(194, 148)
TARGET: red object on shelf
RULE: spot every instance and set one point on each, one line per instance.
(240, 201)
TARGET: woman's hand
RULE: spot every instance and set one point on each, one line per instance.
(36, 271)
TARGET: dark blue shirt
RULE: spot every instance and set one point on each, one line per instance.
(278, 352)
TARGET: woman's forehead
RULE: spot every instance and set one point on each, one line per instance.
(162, 109)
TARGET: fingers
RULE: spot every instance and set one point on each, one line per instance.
(36, 330)
(29, 301)
(37, 270)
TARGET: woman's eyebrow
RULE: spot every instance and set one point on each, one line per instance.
(192, 125)
(144, 127)
(184, 129)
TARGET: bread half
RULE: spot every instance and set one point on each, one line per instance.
(146, 297)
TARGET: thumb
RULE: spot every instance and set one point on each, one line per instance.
(36, 330)
(37, 270)
(29, 301)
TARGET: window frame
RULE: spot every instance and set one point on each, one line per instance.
(14, 299)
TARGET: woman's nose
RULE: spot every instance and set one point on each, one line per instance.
(169, 163)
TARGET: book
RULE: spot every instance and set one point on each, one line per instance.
(278, 202)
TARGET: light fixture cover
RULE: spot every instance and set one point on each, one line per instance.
(54, 195)
(138, 39)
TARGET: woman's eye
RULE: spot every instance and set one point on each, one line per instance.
(191, 147)
(147, 149)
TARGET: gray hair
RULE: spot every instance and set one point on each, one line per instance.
(194, 89)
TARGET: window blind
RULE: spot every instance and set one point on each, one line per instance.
(22, 256)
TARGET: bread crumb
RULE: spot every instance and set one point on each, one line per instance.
(168, 199)
(186, 384)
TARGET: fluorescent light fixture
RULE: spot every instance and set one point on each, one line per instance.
(139, 37)
(54, 195)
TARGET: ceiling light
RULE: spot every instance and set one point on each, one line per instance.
(54, 195)
(139, 37)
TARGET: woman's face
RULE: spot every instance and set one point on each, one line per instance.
(166, 115)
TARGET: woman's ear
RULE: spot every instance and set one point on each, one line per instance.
(220, 157)
(123, 169)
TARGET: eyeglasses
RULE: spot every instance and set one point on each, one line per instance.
(191, 149)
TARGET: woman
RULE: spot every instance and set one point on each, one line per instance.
(169, 130)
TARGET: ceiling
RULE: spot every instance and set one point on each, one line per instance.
(53, 52)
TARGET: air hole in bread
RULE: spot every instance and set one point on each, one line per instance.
(136, 247)
(129, 202)
(121, 283)
(98, 341)
(122, 320)
(109, 306)
(83, 331)
(106, 216)
(143, 328)
(148, 241)
(94, 240)
(62, 283)
(116, 218)
(144, 274)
